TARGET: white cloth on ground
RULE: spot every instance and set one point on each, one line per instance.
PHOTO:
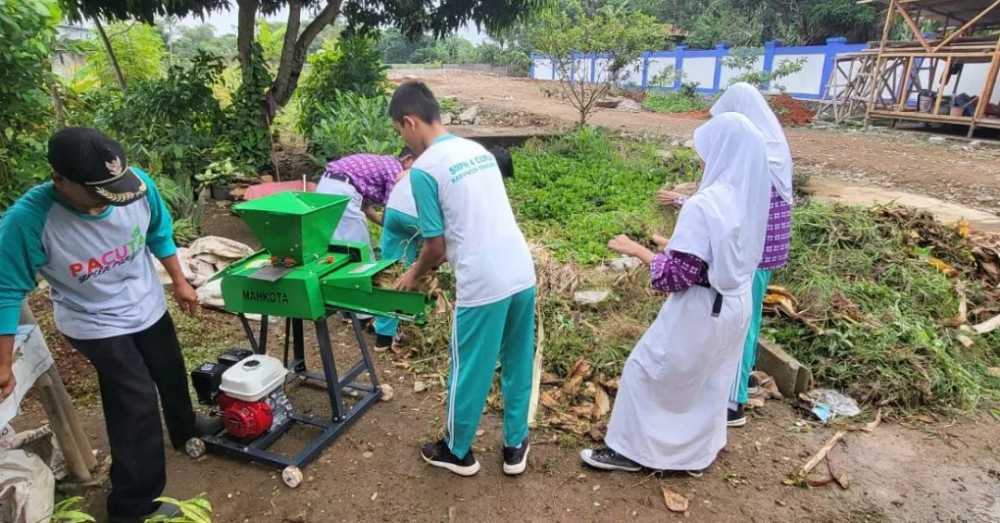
(27, 487)
(670, 412)
(745, 99)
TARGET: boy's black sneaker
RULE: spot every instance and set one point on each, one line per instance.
(736, 417)
(515, 459)
(383, 343)
(606, 459)
(439, 455)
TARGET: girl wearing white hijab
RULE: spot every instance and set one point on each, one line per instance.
(745, 99)
(668, 412)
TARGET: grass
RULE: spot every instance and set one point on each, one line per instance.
(577, 192)
(862, 275)
(675, 102)
(884, 309)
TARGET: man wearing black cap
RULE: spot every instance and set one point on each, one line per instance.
(91, 233)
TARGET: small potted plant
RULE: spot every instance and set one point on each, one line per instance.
(219, 176)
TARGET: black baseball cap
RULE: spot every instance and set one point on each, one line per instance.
(88, 157)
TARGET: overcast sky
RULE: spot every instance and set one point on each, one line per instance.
(225, 22)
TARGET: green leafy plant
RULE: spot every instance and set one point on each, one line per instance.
(27, 34)
(353, 123)
(195, 510)
(683, 100)
(68, 511)
(219, 171)
(179, 195)
(351, 65)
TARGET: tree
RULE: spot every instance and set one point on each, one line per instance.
(618, 34)
(27, 34)
(753, 22)
(412, 18)
(398, 49)
(138, 53)
(184, 43)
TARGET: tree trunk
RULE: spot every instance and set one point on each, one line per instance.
(246, 21)
(119, 77)
(58, 109)
(293, 56)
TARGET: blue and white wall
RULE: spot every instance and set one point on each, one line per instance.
(705, 67)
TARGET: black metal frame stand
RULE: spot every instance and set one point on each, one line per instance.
(341, 417)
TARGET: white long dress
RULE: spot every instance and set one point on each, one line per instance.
(670, 412)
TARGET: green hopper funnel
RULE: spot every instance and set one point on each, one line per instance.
(295, 225)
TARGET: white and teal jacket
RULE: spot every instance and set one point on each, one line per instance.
(102, 277)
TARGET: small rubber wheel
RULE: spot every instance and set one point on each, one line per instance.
(195, 448)
(292, 476)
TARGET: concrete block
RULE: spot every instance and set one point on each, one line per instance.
(791, 376)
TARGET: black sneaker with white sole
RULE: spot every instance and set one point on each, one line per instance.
(606, 459)
(736, 417)
(439, 455)
(515, 459)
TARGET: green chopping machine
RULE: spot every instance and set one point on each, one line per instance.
(300, 275)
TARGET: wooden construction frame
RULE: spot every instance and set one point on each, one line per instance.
(888, 92)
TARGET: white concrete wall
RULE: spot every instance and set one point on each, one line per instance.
(700, 70)
(601, 69)
(657, 65)
(809, 80)
(631, 75)
(578, 70)
(543, 69)
(729, 73)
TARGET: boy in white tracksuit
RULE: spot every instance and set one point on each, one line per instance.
(465, 217)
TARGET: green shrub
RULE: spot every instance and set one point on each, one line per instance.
(353, 123)
(170, 125)
(352, 65)
(27, 33)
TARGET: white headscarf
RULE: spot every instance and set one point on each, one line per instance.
(745, 99)
(725, 222)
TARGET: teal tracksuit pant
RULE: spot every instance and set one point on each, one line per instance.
(401, 240)
(503, 330)
(738, 393)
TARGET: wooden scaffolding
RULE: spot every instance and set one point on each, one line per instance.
(897, 70)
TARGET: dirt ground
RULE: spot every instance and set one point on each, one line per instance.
(902, 161)
(924, 469)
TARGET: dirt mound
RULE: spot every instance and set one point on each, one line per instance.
(790, 111)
